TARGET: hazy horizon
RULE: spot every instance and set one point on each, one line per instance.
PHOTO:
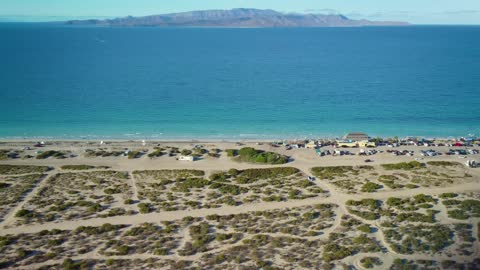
(463, 12)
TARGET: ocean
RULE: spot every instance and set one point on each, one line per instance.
(81, 82)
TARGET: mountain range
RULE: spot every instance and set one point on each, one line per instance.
(240, 17)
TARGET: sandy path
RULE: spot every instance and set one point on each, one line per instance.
(134, 186)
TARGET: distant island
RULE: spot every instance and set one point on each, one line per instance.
(240, 17)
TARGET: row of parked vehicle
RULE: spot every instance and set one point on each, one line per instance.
(451, 152)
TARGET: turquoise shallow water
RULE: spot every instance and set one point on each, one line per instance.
(183, 83)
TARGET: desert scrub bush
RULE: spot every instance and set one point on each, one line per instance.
(304, 183)
(411, 186)
(122, 250)
(444, 163)
(51, 153)
(219, 176)
(448, 195)
(129, 201)
(458, 214)
(365, 214)
(24, 213)
(22, 169)
(105, 228)
(372, 204)
(112, 190)
(145, 208)
(231, 152)
(388, 177)
(370, 187)
(103, 153)
(392, 201)
(156, 153)
(273, 198)
(411, 239)
(200, 237)
(417, 217)
(77, 167)
(370, 262)
(186, 152)
(422, 198)
(4, 185)
(412, 165)
(332, 172)
(365, 228)
(449, 203)
(187, 184)
(249, 154)
(228, 189)
(269, 172)
(332, 252)
(134, 154)
(69, 264)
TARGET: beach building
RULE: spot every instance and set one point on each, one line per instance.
(349, 144)
(356, 136)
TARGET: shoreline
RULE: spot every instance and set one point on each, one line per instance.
(213, 140)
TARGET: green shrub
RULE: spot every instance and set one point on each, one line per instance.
(448, 195)
(267, 173)
(134, 154)
(422, 198)
(332, 252)
(412, 165)
(145, 208)
(230, 189)
(273, 198)
(4, 185)
(156, 153)
(69, 264)
(392, 201)
(370, 187)
(160, 252)
(51, 153)
(24, 213)
(231, 152)
(411, 186)
(22, 169)
(451, 202)
(233, 172)
(129, 201)
(111, 191)
(472, 206)
(122, 250)
(370, 203)
(444, 163)
(249, 154)
(370, 262)
(331, 172)
(186, 152)
(77, 167)
(364, 228)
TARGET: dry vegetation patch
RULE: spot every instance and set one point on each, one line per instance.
(22, 169)
(78, 195)
(14, 188)
(396, 176)
(171, 190)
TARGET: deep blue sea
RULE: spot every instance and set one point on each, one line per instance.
(183, 83)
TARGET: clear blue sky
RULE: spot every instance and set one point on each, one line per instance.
(415, 11)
